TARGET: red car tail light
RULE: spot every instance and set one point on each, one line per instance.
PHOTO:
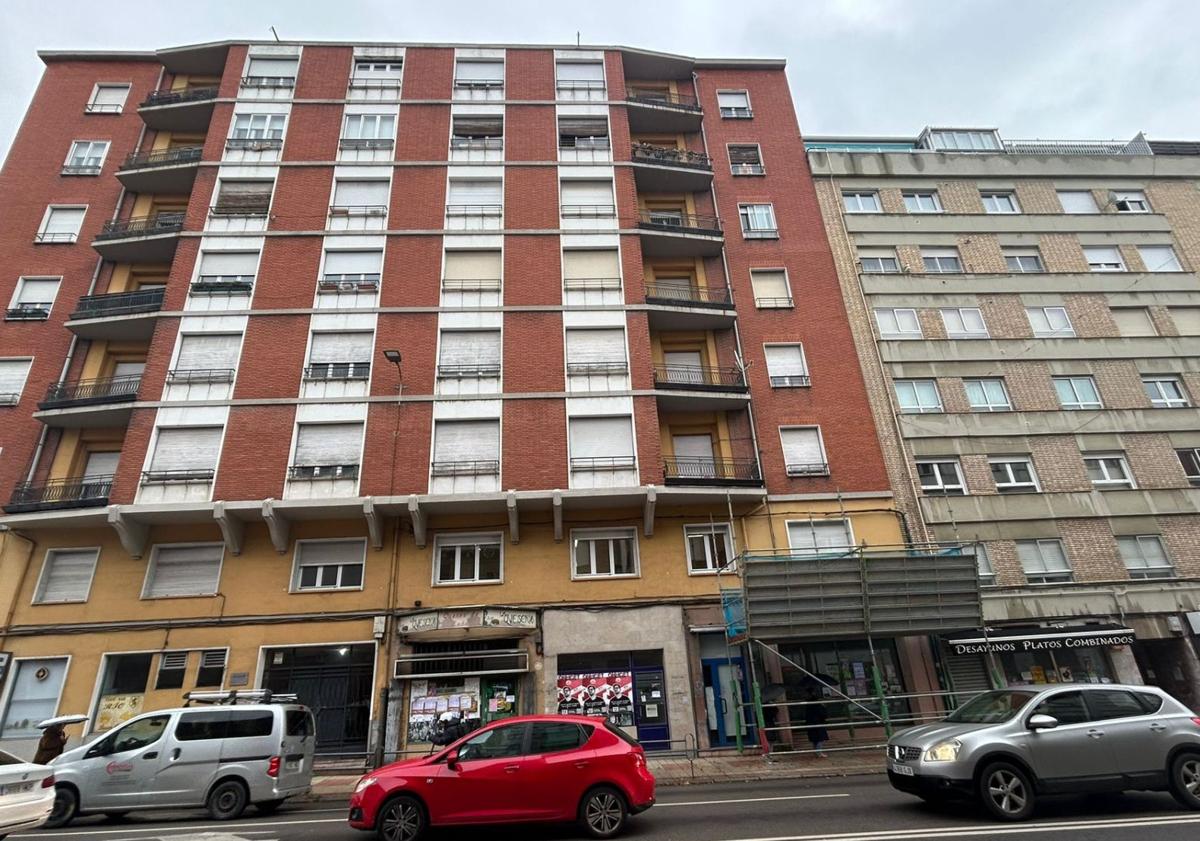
(1196, 721)
(48, 782)
(639, 759)
(273, 767)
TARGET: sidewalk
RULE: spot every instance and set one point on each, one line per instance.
(679, 771)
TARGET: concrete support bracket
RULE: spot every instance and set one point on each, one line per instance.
(277, 525)
(133, 535)
(374, 523)
(418, 520)
(557, 505)
(233, 530)
(648, 514)
(514, 518)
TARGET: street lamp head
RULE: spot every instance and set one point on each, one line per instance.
(392, 356)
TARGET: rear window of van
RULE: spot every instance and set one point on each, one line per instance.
(299, 723)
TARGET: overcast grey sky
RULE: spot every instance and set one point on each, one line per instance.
(1033, 68)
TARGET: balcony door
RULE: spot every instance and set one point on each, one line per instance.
(685, 366)
(98, 472)
(694, 456)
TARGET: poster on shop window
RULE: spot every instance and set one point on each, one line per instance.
(609, 694)
(428, 699)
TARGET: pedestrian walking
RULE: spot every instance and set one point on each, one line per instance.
(54, 739)
(815, 717)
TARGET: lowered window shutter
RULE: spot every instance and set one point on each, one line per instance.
(228, 263)
(67, 576)
(353, 262)
(802, 446)
(361, 194)
(341, 347)
(476, 192)
(101, 464)
(478, 126)
(576, 71)
(596, 263)
(37, 292)
(1187, 321)
(769, 284)
(590, 345)
(733, 99)
(187, 448)
(601, 437)
(587, 193)
(692, 447)
(472, 265)
(329, 443)
(272, 67)
(583, 126)
(479, 70)
(785, 361)
(208, 350)
(470, 347)
(111, 95)
(331, 552)
(184, 571)
(65, 220)
(476, 440)
(817, 535)
(13, 374)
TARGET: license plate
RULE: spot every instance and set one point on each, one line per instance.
(902, 770)
(16, 788)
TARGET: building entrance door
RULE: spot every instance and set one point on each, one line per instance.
(722, 678)
(335, 682)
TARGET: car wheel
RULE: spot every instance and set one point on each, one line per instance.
(66, 807)
(1185, 780)
(1006, 791)
(227, 801)
(268, 807)
(401, 819)
(603, 812)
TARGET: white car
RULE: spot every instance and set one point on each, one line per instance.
(26, 794)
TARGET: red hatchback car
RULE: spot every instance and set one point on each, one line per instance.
(539, 768)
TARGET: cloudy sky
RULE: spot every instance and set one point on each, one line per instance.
(1033, 68)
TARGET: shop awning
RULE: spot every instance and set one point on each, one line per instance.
(1036, 638)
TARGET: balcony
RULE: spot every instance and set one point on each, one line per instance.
(188, 110)
(657, 111)
(142, 239)
(29, 311)
(167, 171)
(118, 316)
(101, 402)
(693, 307)
(800, 470)
(714, 472)
(671, 233)
(665, 169)
(59, 494)
(699, 378)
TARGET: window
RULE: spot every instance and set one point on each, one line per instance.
(917, 396)
(60, 224)
(803, 451)
(1145, 556)
(583, 133)
(479, 73)
(786, 366)
(593, 268)
(551, 737)
(34, 299)
(1043, 561)
(466, 448)
(987, 394)
(1023, 260)
(941, 260)
(1107, 470)
(592, 350)
(212, 668)
(86, 157)
(107, 99)
(182, 570)
(604, 443)
(262, 131)
(964, 323)
(472, 270)
(983, 562)
(1014, 475)
(327, 451)
(758, 221)
(815, 537)
(959, 140)
(941, 477)
(1133, 321)
(377, 73)
(1108, 704)
(1050, 322)
(1077, 392)
(66, 576)
(1165, 392)
(476, 197)
(340, 356)
(1130, 201)
(861, 202)
(1001, 202)
(1065, 708)
(734, 105)
(770, 287)
(369, 131)
(350, 270)
(329, 564)
(587, 198)
(1077, 201)
(1189, 460)
(263, 72)
(172, 665)
(898, 324)
(33, 697)
(468, 559)
(1159, 258)
(360, 198)
(745, 159)
(497, 743)
(1103, 258)
(243, 198)
(604, 553)
(225, 271)
(187, 453)
(922, 202)
(878, 261)
(477, 131)
(579, 75)
(468, 354)
(709, 548)
(13, 373)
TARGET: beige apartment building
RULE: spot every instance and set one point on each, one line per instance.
(1028, 319)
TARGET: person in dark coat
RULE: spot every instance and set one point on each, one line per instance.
(54, 739)
(815, 717)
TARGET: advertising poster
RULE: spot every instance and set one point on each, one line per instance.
(430, 698)
(609, 694)
(117, 709)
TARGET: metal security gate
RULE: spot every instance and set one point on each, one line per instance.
(335, 682)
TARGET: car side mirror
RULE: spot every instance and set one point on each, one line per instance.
(1042, 722)
(452, 760)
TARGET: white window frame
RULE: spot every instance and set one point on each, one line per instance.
(942, 486)
(459, 540)
(92, 108)
(250, 132)
(1012, 485)
(918, 406)
(1192, 454)
(1076, 405)
(42, 233)
(759, 168)
(1135, 201)
(749, 211)
(988, 406)
(1144, 572)
(813, 551)
(605, 534)
(13, 398)
(823, 463)
(802, 379)
(1047, 576)
(898, 334)
(10, 685)
(70, 168)
(468, 83)
(1050, 331)
(882, 256)
(1021, 256)
(983, 566)
(1163, 401)
(1092, 206)
(941, 260)
(711, 532)
(922, 201)
(375, 140)
(992, 201)
(950, 315)
(745, 112)
(17, 304)
(152, 566)
(297, 567)
(1096, 265)
(1125, 482)
(773, 303)
(853, 201)
(1176, 267)
(39, 595)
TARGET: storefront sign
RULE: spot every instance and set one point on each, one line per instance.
(507, 618)
(1053, 639)
(609, 694)
(419, 622)
(446, 620)
(117, 709)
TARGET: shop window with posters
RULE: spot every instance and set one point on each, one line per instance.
(846, 666)
(430, 699)
(626, 687)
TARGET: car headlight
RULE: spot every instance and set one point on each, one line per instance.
(943, 751)
(365, 782)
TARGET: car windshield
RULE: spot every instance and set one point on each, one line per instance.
(991, 707)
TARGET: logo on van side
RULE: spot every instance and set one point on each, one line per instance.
(119, 768)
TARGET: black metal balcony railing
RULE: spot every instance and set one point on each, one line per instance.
(55, 236)
(480, 370)
(474, 210)
(170, 477)
(477, 143)
(663, 99)
(669, 156)
(477, 467)
(268, 81)
(577, 369)
(80, 492)
(580, 84)
(86, 392)
(357, 282)
(119, 303)
(366, 143)
(478, 284)
(589, 143)
(812, 468)
(254, 144)
(81, 169)
(737, 113)
(163, 157)
(308, 472)
(791, 381)
(29, 311)
(142, 226)
(587, 211)
(603, 463)
(358, 210)
(222, 284)
(701, 377)
(683, 223)
(241, 206)
(338, 371)
(189, 376)
(174, 97)
(677, 293)
(774, 303)
(686, 469)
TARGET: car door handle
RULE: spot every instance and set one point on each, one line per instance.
(152, 755)
(1095, 734)
(512, 769)
(1158, 728)
(175, 753)
(583, 763)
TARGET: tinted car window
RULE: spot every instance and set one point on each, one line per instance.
(991, 707)
(508, 740)
(1113, 703)
(244, 724)
(299, 723)
(552, 737)
(1067, 707)
(1150, 702)
(139, 734)
(195, 727)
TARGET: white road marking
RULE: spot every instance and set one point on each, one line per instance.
(747, 800)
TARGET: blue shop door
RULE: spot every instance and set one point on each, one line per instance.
(650, 709)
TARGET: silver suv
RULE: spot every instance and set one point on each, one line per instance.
(1008, 747)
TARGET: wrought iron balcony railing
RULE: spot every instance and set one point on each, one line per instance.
(79, 492)
(366, 143)
(698, 469)
(791, 381)
(478, 284)
(358, 282)
(591, 143)
(474, 210)
(222, 284)
(476, 371)
(669, 156)
(29, 311)
(81, 169)
(358, 210)
(85, 392)
(118, 303)
(309, 472)
(477, 143)
(190, 376)
(812, 468)
(587, 211)
(338, 371)
(477, 467)
(254, 144)
(597, 368)
(173, 97)
(163, 157)
(663, 99)
(170, 477)
(678, 293)
(678, 222)
(699, 377)
(142, 226)
(588, 284)
(268, 81)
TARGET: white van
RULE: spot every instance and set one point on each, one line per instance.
(221, 757)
